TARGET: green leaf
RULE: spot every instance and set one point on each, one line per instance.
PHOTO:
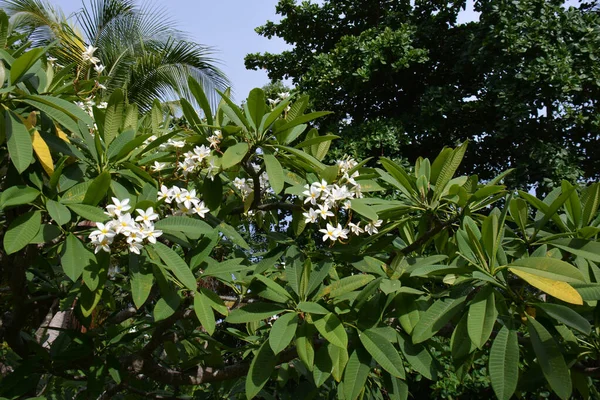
(331, 328)
(461, 344)
(75, 257)
(234, 154)
(88, 212)
(190, 226)
(274, 172)
(54, 113)
(141, 279)
(449, 167)
(283, 331)
(383, 352)
(356, 373)
(301, 120)
(214, 301)
(97, 190)
(304, 345)
(590, 200)
(21, 231)
(256, 107)
(18, 141)
(260, 370)
(316, 140)
(312, 308)
(418, 357)
(280, 293)
(46, 234)
(233, 235)
(58, 212)
(17, 195)
(323, 365)
(303, 156)
(114, 116)
(22, 64)
(550, 359)
(201, 98)
(204, 312)
(347, 284)
(482, 316)
(64, 106)
(504, 363)
(557, 288)
(176, 265)
(567, 316)
(363, 209)
(254, 312)
(119, 142)
(550, 268)
(434, 319)
(587, 249)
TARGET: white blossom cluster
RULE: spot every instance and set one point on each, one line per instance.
(281, 96)
(88, 55)
(186, 201)
(88, 104)
(136, 231)
(246, 185)
(326, 200)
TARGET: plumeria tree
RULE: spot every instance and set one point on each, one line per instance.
(224, 259)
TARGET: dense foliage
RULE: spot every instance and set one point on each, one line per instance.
(222, 258)
(405, 79)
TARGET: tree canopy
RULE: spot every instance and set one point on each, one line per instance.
(521, 83)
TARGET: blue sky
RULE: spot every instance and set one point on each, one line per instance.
(228, 26)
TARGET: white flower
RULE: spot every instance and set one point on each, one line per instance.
(347, 204)
(214, 141)
(118, 207)
(150, 140)
(324, 211)
(103, 244)
(103, 231)
(201, 209)
(190, 199)
(355, 228)
(321, 186)
(239, 183)
(312, 194)
(201, 152)
(177, 194)
(183, 210)
(151, 233)
(51, 60)
(284, 95)
(176, 143)
(340, 193)
(88, 55)
(99, 68)
(103, 104)
(212, 170)
(135, 247)
(273, 102)
(147, 216)
(135, 234)
(101, 86)
(311, 216)
(159, 166)
(371, 227)
(124, 223)
(330, 233)
(165, 193)
(342, 233)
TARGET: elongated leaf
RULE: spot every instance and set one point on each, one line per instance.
(303, 156)
(312, 308)
(435, 318)
(141, 279)
(383, 352)
(204, 312)
(504, 363)
(332, 329)
(323, 365)
(274, 172)
(176, 265)
(114, 116)
(282, 294)
(201, 98)
(304, 345)
(551, 268)
(75, 257)
(301, 120)
(256, 107)
(42, 152)
(189, 226)
(254, 312)
(418, 357)
(17, 195)
(316, 140)
(590, 200)
(233, 235)
(567, 316)
(234, 154)
(119, 142)
(22, 64)
(260, 370)
(559, 289)
(347, 284)
(587, 249)
(449, 167)
(283, 332)
(62, 118)
(97, 190)
(482, 316)
(550, 359)
(366, 211)
(58, 212)
(88, 212)
(356, 373)
(21, 231)
(214, 301)
(18, 141)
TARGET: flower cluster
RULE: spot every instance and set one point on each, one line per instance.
(215, 139)
(136, 231)
(186, 201)
(325, 201)
(88, 55)
(88, 105)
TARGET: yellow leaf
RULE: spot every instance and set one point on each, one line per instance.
(561, 290)
(61, 134)
(41, 150)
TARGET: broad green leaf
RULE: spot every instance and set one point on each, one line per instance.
(260, 370)
(201, 98)
(587, 249)
(331, 328)
(434, 319)
(141, 279)
(119, 142)
(482, 316)
(323, 365)
(461, 344)
(303, 156)
(189, 226)
(504, 363)
(114, 116)
(212, 192)
(274, 172)
(17, 195)
(312, 308)
(559, 289)
(339, 358)
(214, 301)
(254, 312)
(58, 212)
(234, 154)
(256, 107)
(88, 212)
(21, 231)
(567, 316)
(316, 140)
(304, 345)
(204, 312)
(88, 300)
(550, 359)
(590, 200)
(23, 63)
(550, 268)
(176, 265)
(283, 332)
(75, 257)
(588, 291)
(347, 284)
(418, 357)
(46, 234)
(449, 167)
(97, 190)
(18, 141)
(233, 235)
(397, 389)
(356, 373)
(301, 120)
(383, 352)
(227, 267)
(95, 272)
(363, 209)
(282, 295)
